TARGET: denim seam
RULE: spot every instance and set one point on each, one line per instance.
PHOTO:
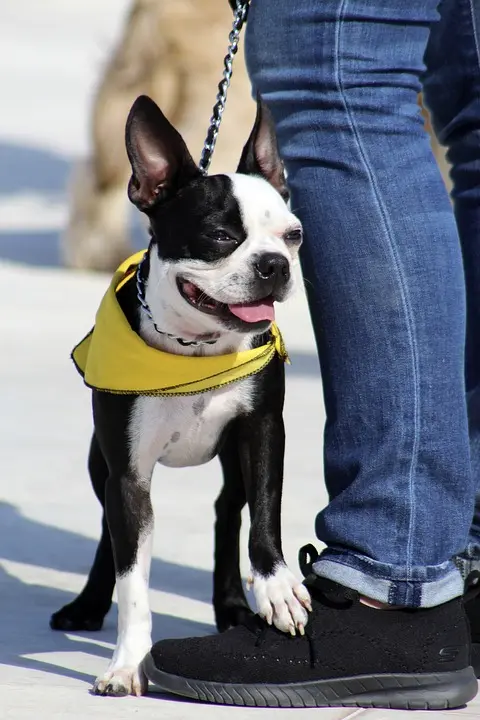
(475, 34)
(400, 277)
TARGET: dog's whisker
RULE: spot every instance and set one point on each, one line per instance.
(214, 292)
(307, 281)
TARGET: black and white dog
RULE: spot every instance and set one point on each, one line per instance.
(221, 252)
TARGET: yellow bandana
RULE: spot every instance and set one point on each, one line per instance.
(115, 359)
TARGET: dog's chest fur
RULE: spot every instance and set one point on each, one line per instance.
(181, 431)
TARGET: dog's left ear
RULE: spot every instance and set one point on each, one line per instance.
(260, 155)
(160, 160)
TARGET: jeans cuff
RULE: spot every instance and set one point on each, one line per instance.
(408, 587)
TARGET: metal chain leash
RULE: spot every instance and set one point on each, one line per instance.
(239, 20)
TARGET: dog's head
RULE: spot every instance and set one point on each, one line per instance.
(222, 246)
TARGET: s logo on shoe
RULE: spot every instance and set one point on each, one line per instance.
(448, 654)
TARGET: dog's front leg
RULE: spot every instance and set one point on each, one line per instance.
(130, 520)
(281, 598)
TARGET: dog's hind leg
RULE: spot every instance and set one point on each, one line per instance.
(88, 610)
(229, 601)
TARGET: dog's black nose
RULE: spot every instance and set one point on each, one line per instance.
(273, 267)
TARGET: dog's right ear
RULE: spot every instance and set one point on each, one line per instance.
(260, 155)
(160, 160)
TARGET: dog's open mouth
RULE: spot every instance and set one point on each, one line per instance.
(252, 312)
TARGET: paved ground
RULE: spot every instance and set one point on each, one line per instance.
(49, 519)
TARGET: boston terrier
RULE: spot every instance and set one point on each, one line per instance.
(221, 253)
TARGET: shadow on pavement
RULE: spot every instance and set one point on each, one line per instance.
(303, 365)
(28, 541)
(36, 247)
(25, 608)
(25, 169)
(39, 173)
(44, 175)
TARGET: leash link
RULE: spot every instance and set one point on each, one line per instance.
(240, 17)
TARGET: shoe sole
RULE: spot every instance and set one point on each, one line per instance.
(439, 691)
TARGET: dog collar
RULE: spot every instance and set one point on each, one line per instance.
(115, 359)
(143, 302)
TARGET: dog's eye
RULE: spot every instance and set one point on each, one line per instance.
(222, 237)
(293, 237)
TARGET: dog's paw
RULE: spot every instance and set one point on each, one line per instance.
(122, 681)
(282, 600)
(76, 616)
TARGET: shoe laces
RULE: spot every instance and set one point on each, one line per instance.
(307, 556)
(472, 586)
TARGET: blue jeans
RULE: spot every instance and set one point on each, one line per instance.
(387, 288)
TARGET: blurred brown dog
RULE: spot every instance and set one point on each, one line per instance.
(171, 50)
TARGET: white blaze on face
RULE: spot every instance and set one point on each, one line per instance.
(265, 216)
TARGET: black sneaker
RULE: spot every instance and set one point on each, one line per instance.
(350, 656)
(472, 608)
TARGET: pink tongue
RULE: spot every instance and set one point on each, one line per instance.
(255, 311)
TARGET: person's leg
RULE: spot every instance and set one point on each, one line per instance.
(386, 288)
(452, 93)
